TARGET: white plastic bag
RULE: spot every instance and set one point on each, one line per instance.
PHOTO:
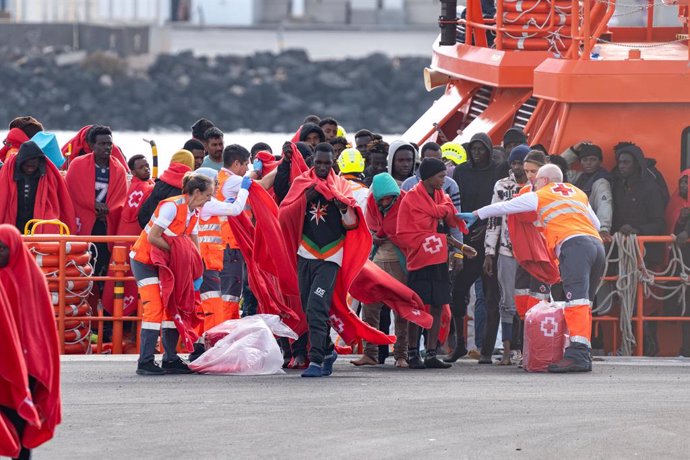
(244, 346)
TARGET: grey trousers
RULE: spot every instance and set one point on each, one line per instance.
(507, 268)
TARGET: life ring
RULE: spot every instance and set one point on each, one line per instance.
(81, 347)
(69, 299)
(44, 260)
(74, 286)
(75, 324)
(515, 19)
(49, 247)
(82, 309)
(70, 270)
(77, 334)
(535, 44)
(535, 6)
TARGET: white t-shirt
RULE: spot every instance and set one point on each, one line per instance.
(232, 185)
(167, 214)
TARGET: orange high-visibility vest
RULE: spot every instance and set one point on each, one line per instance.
(228, 237)
(211, 242)
(141, 251)
(563, 212)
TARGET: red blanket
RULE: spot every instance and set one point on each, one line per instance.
(418, 220)
(79, 147)
(29, 298)
(676, 205)
(14, 382)
(52, 198)
(15, 138)
(265, 257)
(174, 174)
(268, 160)
(138, 192)
(356, 252)
(177, 271)
(384, 226)
(81, 178)
(529, 246)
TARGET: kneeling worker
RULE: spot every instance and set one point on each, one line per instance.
(173, 217)
(571, 229)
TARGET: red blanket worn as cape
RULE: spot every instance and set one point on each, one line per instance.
(418, 220)
(356, 252)
(177, 271)
(29, 298)
(81, 179)
(529, 246)
(79, 147)
(14, 381)
(52, 198)
(384, 226)
(676, 205)
(138, 191)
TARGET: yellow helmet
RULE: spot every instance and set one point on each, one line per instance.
(351, 161)
(454, 152)
(341, 132)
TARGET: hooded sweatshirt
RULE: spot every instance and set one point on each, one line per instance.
(309, 128)
(27, 185)
(393, 149)
(638, 200)
(477, 184)
(281, 184)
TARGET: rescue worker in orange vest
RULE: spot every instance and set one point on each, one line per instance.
(174, 216)
(571, 229)
(230, 179)
(211, 217)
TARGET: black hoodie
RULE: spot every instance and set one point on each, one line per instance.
(27, 185)
(281, 184)
(638, 200)
(309, 128)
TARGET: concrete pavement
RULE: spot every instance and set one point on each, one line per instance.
(626, 408)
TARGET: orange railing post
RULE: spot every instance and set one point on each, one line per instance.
(119, 268)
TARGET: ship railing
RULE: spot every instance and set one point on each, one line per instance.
(119, 267)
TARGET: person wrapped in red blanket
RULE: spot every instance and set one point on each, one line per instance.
(31, 308)
(82, 144)
(139, 190)
(425, 213)
(324, 228)
(175, 217)
(29, 173)
(21, 129)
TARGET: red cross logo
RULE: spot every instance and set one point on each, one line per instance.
(432, 244)
(562, 189)
(135, 198)
(337, 324)
(549, 326)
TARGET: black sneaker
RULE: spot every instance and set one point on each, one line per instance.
(415, 361)
(432, 362)
(176, 367)
(149, 368)
(458, 353)
(199, 350)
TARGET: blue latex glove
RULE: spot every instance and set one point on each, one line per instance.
(246, 182)
(197, 283)
(468, 217)
(258, 166)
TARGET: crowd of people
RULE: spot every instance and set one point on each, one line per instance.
(338, 233)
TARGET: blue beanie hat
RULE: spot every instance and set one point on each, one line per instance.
(518, 153)
(384, 185)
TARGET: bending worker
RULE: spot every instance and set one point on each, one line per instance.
(571, 229)
(175, 216)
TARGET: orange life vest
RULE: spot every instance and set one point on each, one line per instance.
(563, 212)
(211, 241)
(141, 250)
(228, 237)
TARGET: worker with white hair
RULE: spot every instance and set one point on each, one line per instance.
(571, 229)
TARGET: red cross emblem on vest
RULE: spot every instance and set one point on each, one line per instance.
(562, 189)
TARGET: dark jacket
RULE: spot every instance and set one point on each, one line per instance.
(638, 200)
(161, 191)
(477, 184)
(27, 186)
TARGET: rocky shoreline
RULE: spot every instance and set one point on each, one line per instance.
(263, 92)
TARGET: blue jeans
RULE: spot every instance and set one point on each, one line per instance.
(479, 313)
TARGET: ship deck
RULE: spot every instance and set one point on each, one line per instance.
(626, 407)
(650, 51)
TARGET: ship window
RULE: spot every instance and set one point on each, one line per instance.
(685, 149)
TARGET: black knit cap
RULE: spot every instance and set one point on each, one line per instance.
(587, 149)
(430, 167)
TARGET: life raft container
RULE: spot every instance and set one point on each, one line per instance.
(536, 6)
(535, 44)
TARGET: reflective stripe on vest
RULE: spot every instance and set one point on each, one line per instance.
(226, 232)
